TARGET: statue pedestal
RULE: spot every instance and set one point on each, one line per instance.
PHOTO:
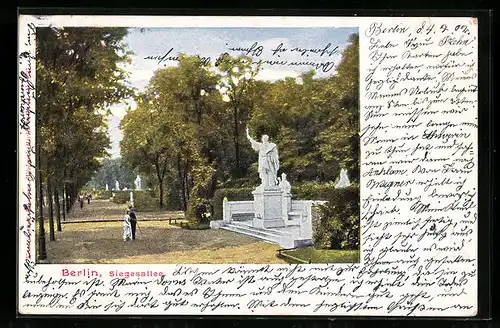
(268, 207)
(286, 206)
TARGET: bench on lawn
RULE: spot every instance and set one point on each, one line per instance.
(175, 220)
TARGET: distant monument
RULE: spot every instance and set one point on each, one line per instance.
(272, 215)
(117, 185)
(138, 183)
(107, 187)
(343, 180)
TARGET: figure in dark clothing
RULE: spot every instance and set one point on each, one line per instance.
(89, 196)
(80, 199)
(133, 221)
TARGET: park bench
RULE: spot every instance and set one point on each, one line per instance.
(174, 220)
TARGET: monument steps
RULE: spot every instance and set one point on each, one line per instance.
(249, 226)
(263, 234)
(287, 230)
(253, 234)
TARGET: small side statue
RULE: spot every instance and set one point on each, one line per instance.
(284, 184)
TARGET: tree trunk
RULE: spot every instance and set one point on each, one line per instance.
(161, 194)
(71, 199)
(213, 186)
(51, 211)
(58, 209)
(68, 199)
(187, 184)
(64, 203)
(335, 243)
(181, 180)
(236, 140)
(160, 180)
(42, 251)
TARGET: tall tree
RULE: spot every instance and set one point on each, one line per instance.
(78, 75)
(340, 138)
(167, 133)
(237, 80)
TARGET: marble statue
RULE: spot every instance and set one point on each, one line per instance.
(138, 183)
(284, 184)
(117, 185)
(343, 180)
(107, 187)
(268, 160)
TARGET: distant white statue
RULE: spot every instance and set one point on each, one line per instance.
(344, 180)
(138, 183)
(268, 160)
(117, 185)
(284, 184)
(107, 187)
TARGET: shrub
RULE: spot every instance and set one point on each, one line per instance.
(313, 191)
(120, 197)
(232, 194)
(145, 201)
(339, 223)
(196, 226)
(103, 194)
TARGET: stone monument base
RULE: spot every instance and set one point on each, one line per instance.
(267, 207)
(268, 223)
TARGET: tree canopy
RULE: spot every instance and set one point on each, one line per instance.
(78, 77)
(188, 129)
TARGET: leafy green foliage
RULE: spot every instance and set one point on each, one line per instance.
(78, 77)
(103, 194)
(145, 201)
(120, 197)
(339, 220)
(313, 191)
(111, 170)
(187, 133)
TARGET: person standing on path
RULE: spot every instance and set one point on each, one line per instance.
(127, 229)
(133, 220)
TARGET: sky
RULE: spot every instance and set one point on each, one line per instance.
(211, 42)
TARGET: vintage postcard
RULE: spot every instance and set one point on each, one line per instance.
(196, 165)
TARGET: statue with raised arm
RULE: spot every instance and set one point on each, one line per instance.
(268, 160)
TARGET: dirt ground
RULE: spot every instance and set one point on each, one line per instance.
(156, 241)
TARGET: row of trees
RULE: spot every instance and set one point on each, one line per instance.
(78, 77)
(187, 132)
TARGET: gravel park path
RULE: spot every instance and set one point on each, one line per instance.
(94, 235)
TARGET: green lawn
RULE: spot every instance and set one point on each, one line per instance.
(312, 255)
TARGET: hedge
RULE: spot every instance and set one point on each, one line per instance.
(103, 194)
(313, 191)
(232, 194)
(339, 224)
(120, 197)
(145, 201)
